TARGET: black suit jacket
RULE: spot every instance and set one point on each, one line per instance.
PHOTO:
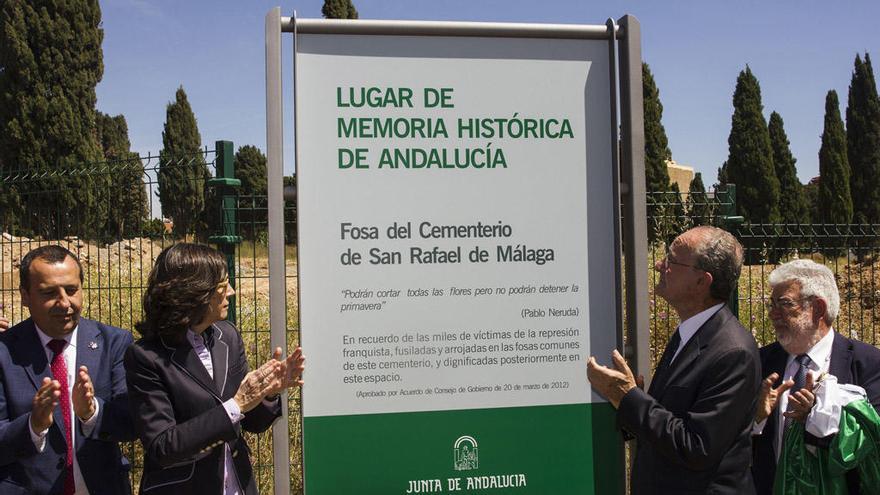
(179, 415)
(693, 426)
(23, 365)
(851, 362)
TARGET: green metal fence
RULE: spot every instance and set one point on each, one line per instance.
(117, 258)
(851, 251)
(118, 254)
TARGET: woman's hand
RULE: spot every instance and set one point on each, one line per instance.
(258, 384)
(289, 374)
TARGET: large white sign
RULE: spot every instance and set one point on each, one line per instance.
(456, 221)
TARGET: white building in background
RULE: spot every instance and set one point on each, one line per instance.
(681, 175)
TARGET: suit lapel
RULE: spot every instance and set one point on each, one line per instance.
(89, 346)
(841, 359)
(693, 348)
(185, 358)
(220, 359)
(31, 354)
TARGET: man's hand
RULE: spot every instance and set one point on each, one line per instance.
(800, 402)
(768, 397)
(44, 403)
(83, 396)
(257, 384)
(612, 384)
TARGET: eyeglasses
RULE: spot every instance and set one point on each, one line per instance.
(667, 260)
(784, 304)
(670, 261)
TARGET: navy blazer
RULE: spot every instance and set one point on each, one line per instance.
(851, 362)
(179, 415)
(23, 365)
(693, 426)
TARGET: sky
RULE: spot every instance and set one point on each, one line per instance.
(798, 50)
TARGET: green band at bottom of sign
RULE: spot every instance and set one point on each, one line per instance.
(559, 450)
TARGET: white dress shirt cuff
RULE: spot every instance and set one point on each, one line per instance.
(758, 428)
(39, 439)
(233, 411)
(88, 425)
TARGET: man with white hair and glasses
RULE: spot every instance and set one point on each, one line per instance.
(803, 305)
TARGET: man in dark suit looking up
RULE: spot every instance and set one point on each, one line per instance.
(803, 305)
(693, 425)
(63, 402)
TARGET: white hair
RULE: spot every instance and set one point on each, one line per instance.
(816, 280)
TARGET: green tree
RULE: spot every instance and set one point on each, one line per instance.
(182, 172)
(50, 63)
(290, 230)
(250, 168)
(700, 209)
(792, 203)
(127, 189)
(339, 9)
(656, 151)
(749, 163)
(811, 193)
(863, 142)
(835, 201)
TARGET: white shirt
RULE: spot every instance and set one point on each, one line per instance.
(689, 327)
(39, 439)
(820, 361)
(231, 486)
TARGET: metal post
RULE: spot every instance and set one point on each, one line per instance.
(635, 231)
(226, 183)
(277, 292)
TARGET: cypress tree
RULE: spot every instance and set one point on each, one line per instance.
(863, 142)
(699, 208)
(749, 163)
(656, 143)
(792, 203)
(182, 170)
(835, 202)
(50, 63)
(811, 194)
(127, 188)
(656, 151)
(339, 9)
(250, 167)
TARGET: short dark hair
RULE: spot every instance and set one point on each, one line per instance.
(721, 255)
(179, 290)
(53, 254)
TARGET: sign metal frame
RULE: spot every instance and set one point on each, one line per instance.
(624, 45)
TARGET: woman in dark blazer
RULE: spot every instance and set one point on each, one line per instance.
(188, 382)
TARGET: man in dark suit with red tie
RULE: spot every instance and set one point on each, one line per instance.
(693, 425)
(63, 401)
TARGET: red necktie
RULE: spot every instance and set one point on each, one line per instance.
(59, 371)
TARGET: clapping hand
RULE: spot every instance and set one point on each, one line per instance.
(801, 402)
(289, 374)
(769, 396)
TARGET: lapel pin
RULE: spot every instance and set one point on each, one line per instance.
(93, 345)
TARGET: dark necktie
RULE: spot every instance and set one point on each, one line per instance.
(669, 353)
(59, 372)
(800, 378)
